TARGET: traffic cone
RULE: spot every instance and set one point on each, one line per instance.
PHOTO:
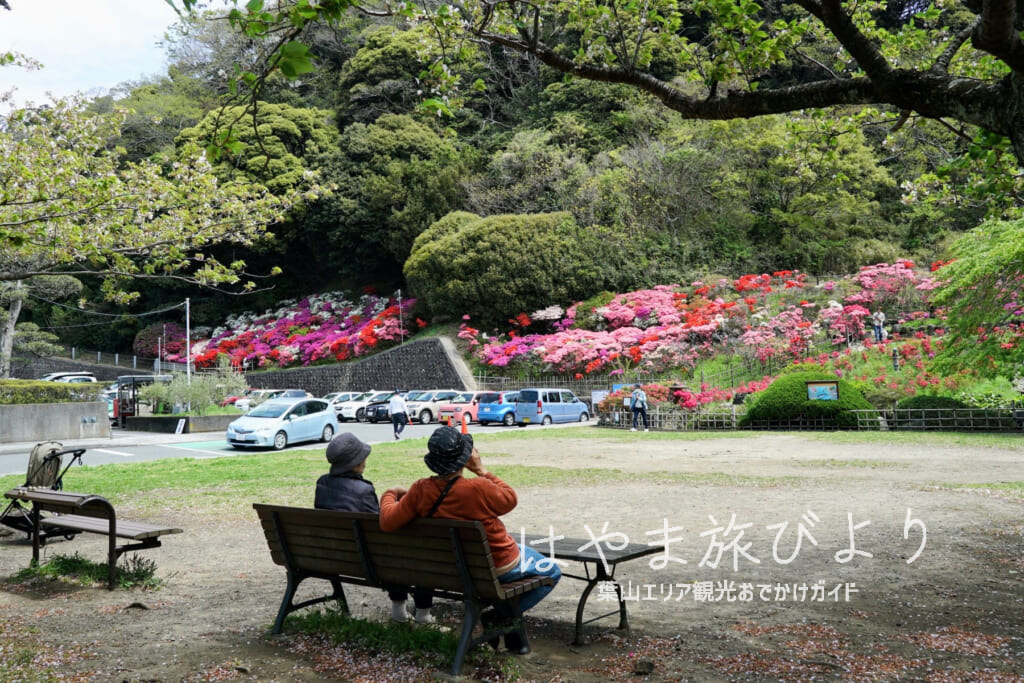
(449, 420)
(465, 423)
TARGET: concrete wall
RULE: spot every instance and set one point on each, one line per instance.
(57, 421)
(37, 367)
(423, 364)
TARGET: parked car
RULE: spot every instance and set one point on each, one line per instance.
(233, 399)
(544, 406)
(76, 379)
(356, 410)
(424, 404)
(339, 406)
(280, 422)
(378, 411)
(67, 376)
(255, 397)
(465, 404)
(336, 398)
(497, 406)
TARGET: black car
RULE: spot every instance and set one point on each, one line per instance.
(377, 412)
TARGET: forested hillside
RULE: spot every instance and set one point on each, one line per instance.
(576, 185)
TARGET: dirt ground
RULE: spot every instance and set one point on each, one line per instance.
(731, 597)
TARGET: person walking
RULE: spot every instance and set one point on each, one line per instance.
(878, 323)
(399, 413)
(638, 404)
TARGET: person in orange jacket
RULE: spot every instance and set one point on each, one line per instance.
(483, 498)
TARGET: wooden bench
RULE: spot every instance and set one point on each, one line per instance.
(81, 512)
(450, 556)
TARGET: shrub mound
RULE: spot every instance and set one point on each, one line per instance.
(785, 400)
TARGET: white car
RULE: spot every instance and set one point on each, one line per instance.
(356, 408)
(423, 405)
(336, 398)
(255, 397)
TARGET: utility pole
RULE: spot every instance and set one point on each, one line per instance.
(188, 343)
(401, 324)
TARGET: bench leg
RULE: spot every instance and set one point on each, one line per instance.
(469, 623)
(288, 606)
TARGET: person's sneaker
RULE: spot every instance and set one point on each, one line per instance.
(633, 429)
(397, 437)
(647, 430)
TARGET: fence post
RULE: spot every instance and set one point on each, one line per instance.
(99, 356)
(135, 362)
(117, 359)
(72, 353)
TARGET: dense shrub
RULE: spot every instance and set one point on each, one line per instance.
(930, 403)
(498, 264)
(20, 391)
(786, 400)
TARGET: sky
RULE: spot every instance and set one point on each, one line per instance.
(86, 46)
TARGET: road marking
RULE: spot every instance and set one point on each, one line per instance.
(198, 445)
(121, 453)
(219, 454)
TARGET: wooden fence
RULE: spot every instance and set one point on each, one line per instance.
(931, 420)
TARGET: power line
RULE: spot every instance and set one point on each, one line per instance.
(106, 315)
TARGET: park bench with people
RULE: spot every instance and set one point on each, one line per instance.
(450, 556)
(75, 513)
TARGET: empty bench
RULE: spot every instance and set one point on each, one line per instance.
(450, 556)
(80, 512)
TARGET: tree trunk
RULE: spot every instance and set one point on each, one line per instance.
(7, 332)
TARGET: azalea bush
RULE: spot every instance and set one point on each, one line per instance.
(319, 328)
(160, 340)
(671, 328)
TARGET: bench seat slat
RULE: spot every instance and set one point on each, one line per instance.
(123, 529)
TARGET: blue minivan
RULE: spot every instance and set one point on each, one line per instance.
(544, 406)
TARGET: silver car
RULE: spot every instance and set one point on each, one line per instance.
(280, 422)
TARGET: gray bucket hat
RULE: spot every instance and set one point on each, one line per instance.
(346, 451)
(449, 450)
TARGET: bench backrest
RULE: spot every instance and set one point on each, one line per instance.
(426, 553)
(64, 502)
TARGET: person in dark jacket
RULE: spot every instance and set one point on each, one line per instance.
(344, 488)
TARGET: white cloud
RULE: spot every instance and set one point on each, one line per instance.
(83, 46)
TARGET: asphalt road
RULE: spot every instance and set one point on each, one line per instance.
(125, 446)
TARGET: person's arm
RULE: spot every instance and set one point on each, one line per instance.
(498, 496)
(397, 508)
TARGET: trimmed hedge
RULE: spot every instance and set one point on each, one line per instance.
(505, 263)
(785, 401)
(22, 391)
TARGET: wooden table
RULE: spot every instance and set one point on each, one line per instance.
(595, 570)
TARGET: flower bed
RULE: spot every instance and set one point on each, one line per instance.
(318, 328)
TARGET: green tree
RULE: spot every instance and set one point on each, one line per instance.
(394, 178)
(961, 61)
(70, 205)
(273, 147)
